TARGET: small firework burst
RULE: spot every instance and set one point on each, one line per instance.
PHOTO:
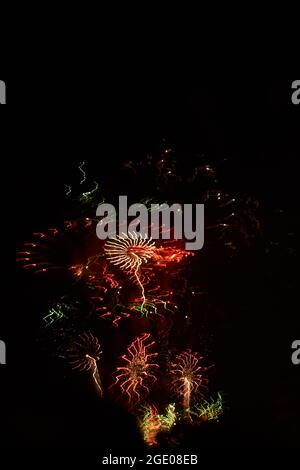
(189, 381)
(136, 376)
(83, 355)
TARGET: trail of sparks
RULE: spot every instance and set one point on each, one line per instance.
(96, 375)
(38, 255)
(54, 315)
(80, 167)
(151, 305)
(137, 276)
(88, 195)
(58, 311)
(68, 189)
(83, 356)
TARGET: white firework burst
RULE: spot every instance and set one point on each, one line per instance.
(129, 251)
(83, 355)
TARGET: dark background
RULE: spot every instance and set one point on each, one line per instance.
(251, 124)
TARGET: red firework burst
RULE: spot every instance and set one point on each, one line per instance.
(188, 377)
(136, 376)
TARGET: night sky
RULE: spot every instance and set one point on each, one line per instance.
(250, 131)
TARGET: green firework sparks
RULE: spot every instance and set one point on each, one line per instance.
(210, 409)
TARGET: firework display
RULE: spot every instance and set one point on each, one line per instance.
(149, 290)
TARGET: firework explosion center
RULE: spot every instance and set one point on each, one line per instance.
(153, 221)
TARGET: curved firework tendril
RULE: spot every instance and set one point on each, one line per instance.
(53, 249)
(83, 356)
(137, 376)
(129, 252)
(88, 196)
(58, 311)
(36, 255)
(188, 377)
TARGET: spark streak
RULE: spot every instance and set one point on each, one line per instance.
(83, 356)
(80, 167)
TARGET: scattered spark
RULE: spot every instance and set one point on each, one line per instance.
(68, 189)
